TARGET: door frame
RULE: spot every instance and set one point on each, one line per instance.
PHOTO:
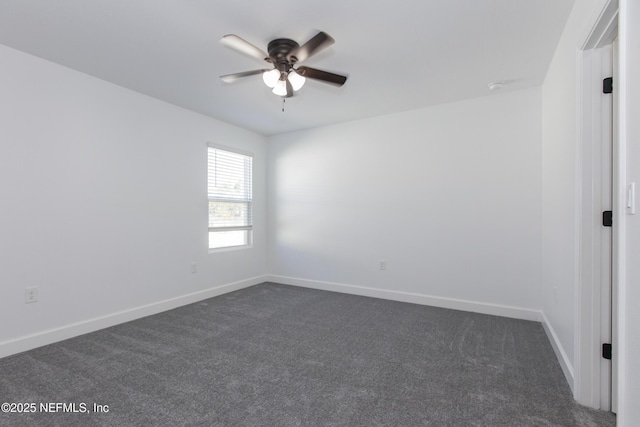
(590, 317)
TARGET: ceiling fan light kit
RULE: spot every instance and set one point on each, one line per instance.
(283, 54)
(277, 81)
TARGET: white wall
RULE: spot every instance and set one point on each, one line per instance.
(629, 348)
(449, 196)
(560, 198)
(104, 203)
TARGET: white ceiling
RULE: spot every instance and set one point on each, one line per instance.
(399, 55)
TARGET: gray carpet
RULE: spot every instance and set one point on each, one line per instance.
(276, 355)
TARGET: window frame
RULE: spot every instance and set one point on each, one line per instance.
(249, 201)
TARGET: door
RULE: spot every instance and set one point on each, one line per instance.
(606, 231)
(608, 370)
(615, 236)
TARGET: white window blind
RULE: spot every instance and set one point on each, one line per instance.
(230, 177)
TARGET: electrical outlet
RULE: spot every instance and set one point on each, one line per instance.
(194, 267)
(383, 264)
(30, 295)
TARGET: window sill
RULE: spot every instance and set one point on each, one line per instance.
(229, 249)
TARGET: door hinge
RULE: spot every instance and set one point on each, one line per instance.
(607, 218)
(607, 85)
(606, 351)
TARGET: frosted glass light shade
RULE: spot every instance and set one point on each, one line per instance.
(271, 77)
(296, 80)
(280, 88)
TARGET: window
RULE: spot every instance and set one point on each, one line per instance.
(230, 175)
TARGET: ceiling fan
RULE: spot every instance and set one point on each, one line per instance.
(283, 54)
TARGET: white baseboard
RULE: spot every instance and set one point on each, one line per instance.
(561, 355)
(50, 336)
(29, 342)
(455, 304)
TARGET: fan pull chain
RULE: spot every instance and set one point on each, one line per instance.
(283, 104)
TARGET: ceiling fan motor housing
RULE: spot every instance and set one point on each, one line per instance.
(279, 49)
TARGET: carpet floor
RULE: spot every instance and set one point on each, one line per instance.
(276, 355)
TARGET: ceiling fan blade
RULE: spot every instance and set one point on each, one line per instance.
(324, 76)
(241, 45)
(230, 78)
(317, 43)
